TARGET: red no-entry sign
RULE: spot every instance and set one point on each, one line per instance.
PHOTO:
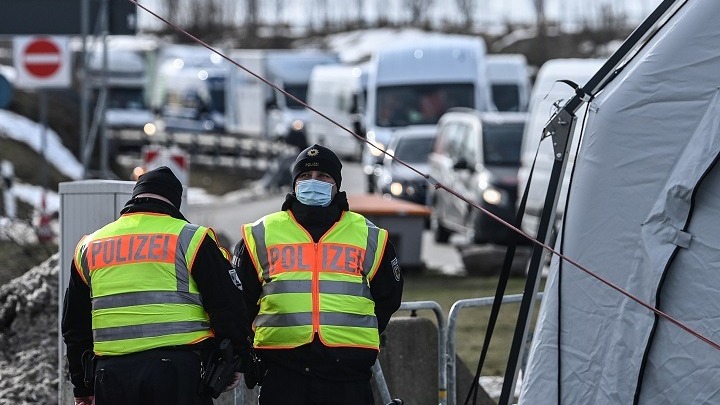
(41, 61)
(42, 58)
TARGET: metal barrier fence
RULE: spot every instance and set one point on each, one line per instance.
(452, 322)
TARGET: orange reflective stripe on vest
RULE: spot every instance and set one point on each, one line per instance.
(333, 257)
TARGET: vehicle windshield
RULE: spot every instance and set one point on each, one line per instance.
(216, 86)
(501, 144)
(297, 90)
(126, 99)
(414, 150)
(399, 106)
(506, 97)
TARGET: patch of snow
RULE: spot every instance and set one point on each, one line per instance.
(33, 196)
(358, 46)
(17, 231)
(21, 129)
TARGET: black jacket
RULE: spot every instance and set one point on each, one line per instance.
(332, 363)
(221, 299)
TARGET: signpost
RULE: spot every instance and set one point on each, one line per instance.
(41, 62)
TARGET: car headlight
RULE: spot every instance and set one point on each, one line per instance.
(396, 188)
(492, 196)
(150, 129)
(376, 152)
(297, 125)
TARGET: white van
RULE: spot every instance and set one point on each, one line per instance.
(509, 81)
(255, 109)
(415, 83)
(337, 91)
(547, 96)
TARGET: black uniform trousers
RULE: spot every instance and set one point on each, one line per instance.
(283, 386)
(157, 377)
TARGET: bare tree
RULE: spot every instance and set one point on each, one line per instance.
(467, 10)
(418, 10)
(229, 12)
(359, 8)
(279, 8)
(172, 9)
(540, 14)
(203, 16)
(323, 17)
(251, 22)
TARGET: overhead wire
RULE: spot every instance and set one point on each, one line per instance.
(437, 185)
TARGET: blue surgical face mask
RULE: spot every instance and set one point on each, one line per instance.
(314, 192)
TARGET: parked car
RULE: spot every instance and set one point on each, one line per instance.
(412, 145)
(477, 155)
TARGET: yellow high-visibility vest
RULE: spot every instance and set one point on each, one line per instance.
(310, 287)
(143, 295)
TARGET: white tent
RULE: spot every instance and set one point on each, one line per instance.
(643, 213)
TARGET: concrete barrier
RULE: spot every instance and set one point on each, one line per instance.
(408, 356)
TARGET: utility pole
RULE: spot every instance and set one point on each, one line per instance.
(84, 89)
(104, 147)
(252, 18)
(541, 27)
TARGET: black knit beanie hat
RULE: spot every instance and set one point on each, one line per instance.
(160, 181)
(318, 157)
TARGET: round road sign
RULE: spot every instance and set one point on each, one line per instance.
(42, 58)
(41, 62)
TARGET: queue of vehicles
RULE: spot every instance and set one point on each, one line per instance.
(444, 106)
(487, 156)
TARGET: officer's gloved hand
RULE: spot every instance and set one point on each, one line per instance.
(234, 382)
(254, 373)
(251, 379)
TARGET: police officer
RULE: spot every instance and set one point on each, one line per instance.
(321, 283)
(148, 294)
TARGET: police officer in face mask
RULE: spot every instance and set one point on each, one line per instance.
(321, 283)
